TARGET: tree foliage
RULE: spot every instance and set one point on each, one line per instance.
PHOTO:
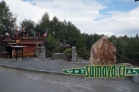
(83, 42)
(29, 26)
(132, 49)
(51, 45)
(120, 46)
(7, 20)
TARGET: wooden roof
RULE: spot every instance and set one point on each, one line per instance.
(39, 42)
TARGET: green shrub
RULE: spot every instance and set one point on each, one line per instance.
(68, 54)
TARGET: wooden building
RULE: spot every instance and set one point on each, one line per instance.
(30, 42)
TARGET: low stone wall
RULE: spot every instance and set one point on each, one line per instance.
(59, 56)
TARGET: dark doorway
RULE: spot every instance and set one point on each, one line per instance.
(9, 50)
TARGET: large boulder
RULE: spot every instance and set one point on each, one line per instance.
(103, 52)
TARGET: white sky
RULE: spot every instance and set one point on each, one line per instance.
(85, 14)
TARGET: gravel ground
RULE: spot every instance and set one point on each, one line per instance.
(53, 66)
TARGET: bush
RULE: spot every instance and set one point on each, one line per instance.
(68, 54)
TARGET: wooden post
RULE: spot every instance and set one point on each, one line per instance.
(36, 46)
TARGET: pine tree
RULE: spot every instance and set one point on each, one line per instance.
(7, 21)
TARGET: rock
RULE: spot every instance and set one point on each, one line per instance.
(103, 52)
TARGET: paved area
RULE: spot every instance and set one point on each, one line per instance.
(17, 80)
(37, 64)
(21, 81)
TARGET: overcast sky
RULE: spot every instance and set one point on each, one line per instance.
(109, 17)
